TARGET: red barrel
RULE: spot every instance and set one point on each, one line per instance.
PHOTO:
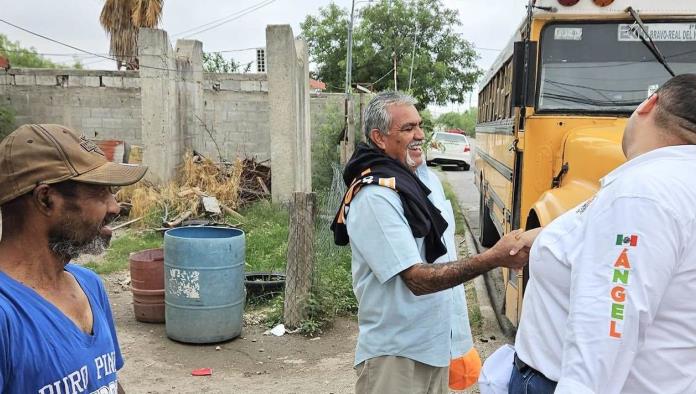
(147, 285)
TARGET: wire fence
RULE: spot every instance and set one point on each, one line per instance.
(318, 285)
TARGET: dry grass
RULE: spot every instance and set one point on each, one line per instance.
(197, 176)
(218, 180)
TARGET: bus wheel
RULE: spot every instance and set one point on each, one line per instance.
(489, 234)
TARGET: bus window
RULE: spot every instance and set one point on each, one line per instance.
(604, 67)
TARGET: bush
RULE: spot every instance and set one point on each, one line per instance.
(7, 121)
(266, 235)
(332, 291)
(325, 147)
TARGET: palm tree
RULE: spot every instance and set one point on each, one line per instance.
(122, 19)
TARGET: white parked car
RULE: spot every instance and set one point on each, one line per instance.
(449, 148)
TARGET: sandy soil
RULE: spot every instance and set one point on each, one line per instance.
(251, 363)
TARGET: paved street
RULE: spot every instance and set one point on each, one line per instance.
(467, 193)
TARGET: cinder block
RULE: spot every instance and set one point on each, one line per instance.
(234, 86)
(46, 80)
(100, 113)
(235, 116)
(24, 80)
(264, 86)
(81, 112)
(83, 81)
(131, 83)
(251, 86)
(112, 123)
(91, 122)
(131, 123)
(75, 101)
(112, 82)
(111, 100)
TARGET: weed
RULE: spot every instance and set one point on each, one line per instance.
(475, 318)
(458, 216)
(266, 248)
(266, 228)
(7, 121)
(324, 146)
(116, 258)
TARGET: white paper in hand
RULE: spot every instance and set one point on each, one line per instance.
(496, 371)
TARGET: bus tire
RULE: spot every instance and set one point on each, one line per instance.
(489, 234)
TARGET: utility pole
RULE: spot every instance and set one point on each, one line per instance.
(394, 58)
(348, 141)
(413, 57)
(349, 55)
(413, 53)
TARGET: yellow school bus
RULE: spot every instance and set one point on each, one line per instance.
(553, 107)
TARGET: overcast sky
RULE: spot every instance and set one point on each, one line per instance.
(488, 24)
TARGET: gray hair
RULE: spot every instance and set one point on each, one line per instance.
(377, 114)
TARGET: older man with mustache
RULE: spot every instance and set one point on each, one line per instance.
(57, 333)
(406, 275)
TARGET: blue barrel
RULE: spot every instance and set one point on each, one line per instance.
(204, 283)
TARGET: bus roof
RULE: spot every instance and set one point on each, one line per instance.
(618, 7)
(587, 8)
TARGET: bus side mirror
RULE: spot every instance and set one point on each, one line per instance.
(520, 74)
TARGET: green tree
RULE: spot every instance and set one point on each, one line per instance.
(215, 63)
(455, 120)
(28, 57)
(7, 120)
(384, 35)
(23, 57)
(327, 37)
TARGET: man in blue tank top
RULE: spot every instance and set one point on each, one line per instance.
(57, 333)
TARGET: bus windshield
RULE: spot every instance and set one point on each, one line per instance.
(604, 67)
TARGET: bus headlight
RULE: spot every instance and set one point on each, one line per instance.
(568, 3)
(603, 3)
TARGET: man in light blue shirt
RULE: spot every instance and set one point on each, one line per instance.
(412, 309)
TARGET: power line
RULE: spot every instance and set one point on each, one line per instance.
(78, 49)
(487, 49)
(235, 50)
(246, 11)
(104, 57)
(383, 76)
(217, 20)
(46, 54)
(106, 54)
(56, 41)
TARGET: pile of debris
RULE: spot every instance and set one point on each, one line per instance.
(205, 192)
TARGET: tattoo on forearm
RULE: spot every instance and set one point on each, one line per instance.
(424, 279)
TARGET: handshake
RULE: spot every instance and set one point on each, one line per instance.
(512, 250)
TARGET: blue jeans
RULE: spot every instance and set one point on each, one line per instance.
(530, 381)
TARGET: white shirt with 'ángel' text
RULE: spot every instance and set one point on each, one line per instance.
(611, 302)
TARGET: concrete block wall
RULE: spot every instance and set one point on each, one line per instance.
(326, 108)
(236, 115)
(171, 106)
(101, 104)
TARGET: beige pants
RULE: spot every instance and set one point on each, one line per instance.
(392, 374)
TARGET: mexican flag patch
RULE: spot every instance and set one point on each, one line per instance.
(623, 239)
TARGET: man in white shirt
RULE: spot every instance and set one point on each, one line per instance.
(609, 306)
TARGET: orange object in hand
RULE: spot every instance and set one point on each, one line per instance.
(465, 370)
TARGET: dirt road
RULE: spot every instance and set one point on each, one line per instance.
(252, 363)
(257, 363)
